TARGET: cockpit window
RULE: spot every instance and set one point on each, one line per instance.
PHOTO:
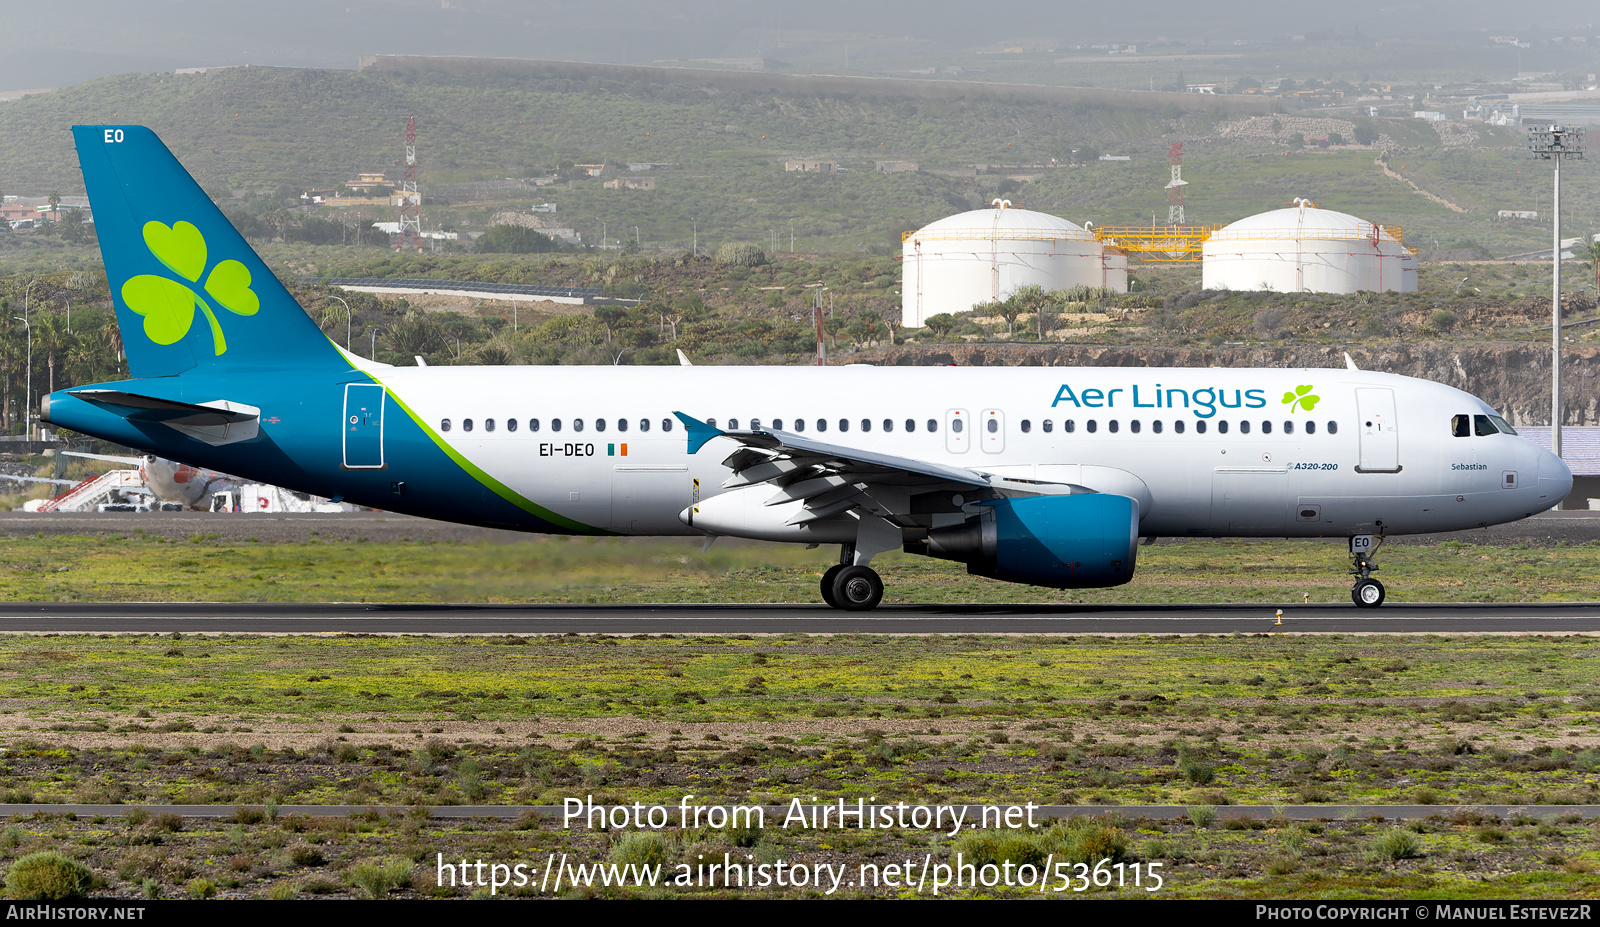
(1459, 425)
(1482, 426)
(1502, 424)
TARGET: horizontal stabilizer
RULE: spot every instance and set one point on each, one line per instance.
(216, 423)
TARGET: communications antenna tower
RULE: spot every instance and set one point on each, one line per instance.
(410, 200)
(1175, 188)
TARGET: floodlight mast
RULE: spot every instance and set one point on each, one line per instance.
(1556, 143)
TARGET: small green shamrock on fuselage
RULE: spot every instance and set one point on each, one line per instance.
(168, 305)
(1301, 398)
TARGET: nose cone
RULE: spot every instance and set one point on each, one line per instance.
(1555, 477)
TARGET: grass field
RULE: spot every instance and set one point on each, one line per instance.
(121, 568)
(1199, 722)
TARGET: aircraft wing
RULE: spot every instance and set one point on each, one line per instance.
(832, 479)
(39, 479)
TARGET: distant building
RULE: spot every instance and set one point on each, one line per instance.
(371, 182)
(1212, 89)
(1110, 157)
(897, 167)
(597, 170)
(543, 207)
(819, 167)
(631, 183)
(393, 228)
(1517, 214)
(1429, 115)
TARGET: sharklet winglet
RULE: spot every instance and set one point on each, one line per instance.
(699, 432)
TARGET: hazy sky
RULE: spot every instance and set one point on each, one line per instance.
(67, 41)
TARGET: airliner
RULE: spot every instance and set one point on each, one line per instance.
(1037, 475)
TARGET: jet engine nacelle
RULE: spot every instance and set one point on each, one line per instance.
(1068, 541)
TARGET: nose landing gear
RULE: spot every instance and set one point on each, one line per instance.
(1367, 592)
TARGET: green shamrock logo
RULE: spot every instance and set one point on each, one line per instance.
(1301, 398)
(168, 305)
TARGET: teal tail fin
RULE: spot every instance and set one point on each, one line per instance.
(189, 291)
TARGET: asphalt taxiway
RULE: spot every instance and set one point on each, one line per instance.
(315, 618)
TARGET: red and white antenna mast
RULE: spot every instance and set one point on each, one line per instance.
(410, 199)
(1175, 188)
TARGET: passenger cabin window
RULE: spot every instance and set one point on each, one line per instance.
(1093, 426)
(599, 424)
(1155, 426)
(956, 426)
(577, 424)
(1027, 426)
(1460, 426)
(1114, 426)
(1069, 426)
(511, 424)
(1200, 427)
(1311, 428)
(644, 424)
(1244, 427)
(994, 426)
(710, 421)
(1048, 426)
(666, 424)
(488, 424)
(1266, 428)
(933, 424)
(1222, 428)
(888, 424)
(733, 424)
(444, 425)
(799, 424)
(1482, 426)
(777, 423)
(555, 424)
(866, 424)
(533, 424)
(1333, 427)
(822, 424)
(1178, 426)
(622, 424)
(466, 424)
(1288, 428)
(844, 424)
(755, 424)
(1134, 426)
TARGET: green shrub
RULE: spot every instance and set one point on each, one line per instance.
(741, 254)
(640, 848)
(1201, 816)
(376, 878)
(48, 877)
(1083, 840)
(982, 847)
(1394, 845)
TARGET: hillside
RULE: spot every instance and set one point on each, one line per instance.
(266, 134)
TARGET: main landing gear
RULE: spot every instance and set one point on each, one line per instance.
(849, 587)
(1367, 592)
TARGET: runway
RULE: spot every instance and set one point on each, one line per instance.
(309, 618)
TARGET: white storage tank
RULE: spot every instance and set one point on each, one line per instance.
(1304, 248)
(987, 254)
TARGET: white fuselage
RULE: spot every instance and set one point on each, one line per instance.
(1207, 452)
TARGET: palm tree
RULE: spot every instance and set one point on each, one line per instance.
(54, 338)
(1594, 261)
(54, 199)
